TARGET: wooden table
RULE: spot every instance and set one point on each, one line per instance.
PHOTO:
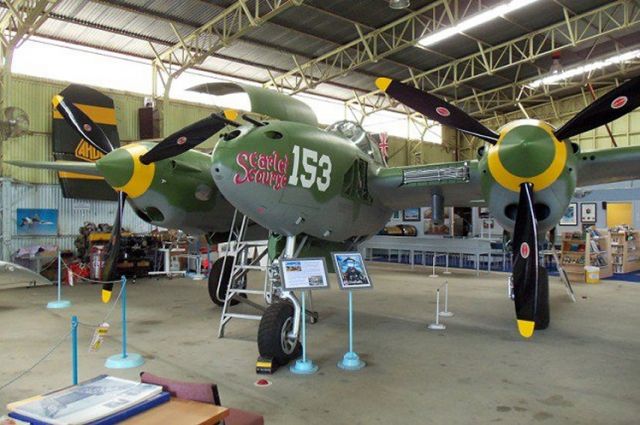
(183, 412)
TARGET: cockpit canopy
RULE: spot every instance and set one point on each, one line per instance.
(357, 135)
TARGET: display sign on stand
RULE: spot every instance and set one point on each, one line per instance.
(304, 274)
(352, 274)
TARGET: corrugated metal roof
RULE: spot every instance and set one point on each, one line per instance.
(307, 31)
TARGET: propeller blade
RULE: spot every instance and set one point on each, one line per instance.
(84, 125)
(436, 109)
(113, 250)
(613, 105)
(189, 137)
(525, 262)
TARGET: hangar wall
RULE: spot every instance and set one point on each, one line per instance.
(34, 96)
(72, 214)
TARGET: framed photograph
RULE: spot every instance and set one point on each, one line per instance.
(411, 214)
(588, 212)
(304, 274)
(570, 217)
(396, 215)
(351, 271)
(37, 221)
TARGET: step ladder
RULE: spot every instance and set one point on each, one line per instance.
(563, 275)
(243, 263)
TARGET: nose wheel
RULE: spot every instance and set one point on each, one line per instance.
(275, 335)
(219, 280)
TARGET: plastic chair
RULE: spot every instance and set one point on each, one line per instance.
(204, 393)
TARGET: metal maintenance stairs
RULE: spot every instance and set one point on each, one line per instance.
(243, 263)
(563, 275)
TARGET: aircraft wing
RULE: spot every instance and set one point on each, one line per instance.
(405, 187)
(609, 165)
(86, 168)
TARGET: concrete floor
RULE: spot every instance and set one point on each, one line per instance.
(585, 369)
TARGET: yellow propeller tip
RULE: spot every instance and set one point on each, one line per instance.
(106, 296)
(382, 83)
(526, 327)
(231, 114)
(56, 100)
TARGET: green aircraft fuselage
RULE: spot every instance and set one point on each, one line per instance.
(293, 178)
(296, 179)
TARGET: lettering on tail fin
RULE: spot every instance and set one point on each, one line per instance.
(86, 152)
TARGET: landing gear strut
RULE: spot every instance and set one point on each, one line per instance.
(279, 331)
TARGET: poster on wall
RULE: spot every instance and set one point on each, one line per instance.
(37, 221)
(351, 271)
(304, 273)
(411, 214)
(570, 217)
(588, 212)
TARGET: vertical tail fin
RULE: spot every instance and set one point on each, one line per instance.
(69, 146)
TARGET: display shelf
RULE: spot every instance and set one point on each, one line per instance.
(592, 248)
(625, 250)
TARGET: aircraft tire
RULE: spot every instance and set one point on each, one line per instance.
(542, 314)
(214, 277)
(276, 322)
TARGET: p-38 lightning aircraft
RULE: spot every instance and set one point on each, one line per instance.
(328, 189)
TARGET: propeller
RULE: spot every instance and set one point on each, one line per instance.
(189, 137)
(526, 278)
(616, 103)
(436, 109)
(113, 250)
(84, 125)
(93, 134)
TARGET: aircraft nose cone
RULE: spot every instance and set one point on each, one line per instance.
(116, 167)
(527, 151)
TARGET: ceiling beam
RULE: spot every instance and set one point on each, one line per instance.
(570, 32)
(494, 101)
(376, 44)
(229, 25)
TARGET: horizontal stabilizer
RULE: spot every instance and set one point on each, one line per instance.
(265, 101)
(88, 168)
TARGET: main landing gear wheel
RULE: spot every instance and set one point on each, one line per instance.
(217, 293)
(542, 309)
(273, 340)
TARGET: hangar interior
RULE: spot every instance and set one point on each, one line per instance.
(260, 190)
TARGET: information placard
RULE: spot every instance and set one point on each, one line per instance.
(304, 273)
(351, 271)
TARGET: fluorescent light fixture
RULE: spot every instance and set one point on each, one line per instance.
(474, 21)
(399, 4)
(584, 69)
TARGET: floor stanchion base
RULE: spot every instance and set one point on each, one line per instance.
(446, 314)
(303, 367)
(437, 327)
(433, 275)
(351, 361)
(59, 304)
(117, 361)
